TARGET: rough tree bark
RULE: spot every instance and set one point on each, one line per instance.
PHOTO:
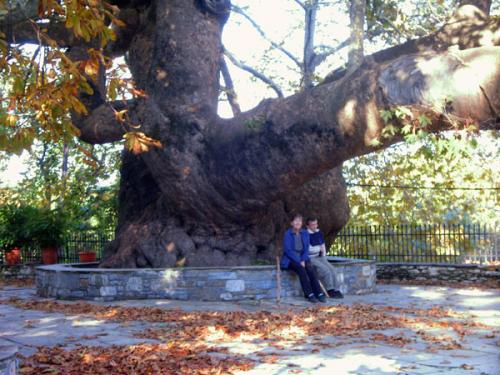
(220, 192)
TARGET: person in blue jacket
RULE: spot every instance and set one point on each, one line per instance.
(296, 258)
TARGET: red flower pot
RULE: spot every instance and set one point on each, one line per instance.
(49, 255)
(13, 256)
(87, 256)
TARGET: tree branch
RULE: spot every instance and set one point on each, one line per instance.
(311, 8)
(468, 28)
(102, 125)
(484, 5)
(319, 57)
(356, 50)
(328, 51)
(230, 92)
(263, 34)
(300, 3)
(25, 28)
(28, 32)
(254, 72)
(19, 11)
(334, 122)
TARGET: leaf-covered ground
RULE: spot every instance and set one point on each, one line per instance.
(428, 329)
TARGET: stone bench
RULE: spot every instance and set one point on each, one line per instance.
(73, 281)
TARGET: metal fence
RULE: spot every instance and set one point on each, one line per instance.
(72, 245)
(431, 243)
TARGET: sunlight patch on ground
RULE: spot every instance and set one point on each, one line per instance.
(41, 333)
(87, 323)
(428, 294)
(350, 362)
(48, 319)
(163, 303)
(474, 292)
(480, 301)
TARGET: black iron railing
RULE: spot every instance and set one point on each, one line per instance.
(430, 243)
(72, 245)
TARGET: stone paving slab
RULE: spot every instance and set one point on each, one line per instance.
(29, 328)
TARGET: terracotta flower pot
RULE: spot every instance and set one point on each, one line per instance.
(49, 255)
(13, 256)
(87, 256)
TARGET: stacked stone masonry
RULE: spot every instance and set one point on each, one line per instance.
(196, 283)
(20, 272)
(464, 273)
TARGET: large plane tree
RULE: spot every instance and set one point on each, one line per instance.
(197, 189)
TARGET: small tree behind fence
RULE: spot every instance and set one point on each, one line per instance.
(428, 243)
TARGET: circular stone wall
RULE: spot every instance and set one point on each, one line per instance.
(83, 281)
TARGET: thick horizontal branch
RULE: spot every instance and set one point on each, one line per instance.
(30, 32)
(263, 150)
(28, 29)
(103, 124)
(468, 28)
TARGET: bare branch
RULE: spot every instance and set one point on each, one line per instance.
(263, 34)
(311, 9)
(254, 72)
(356, 51)
(230, 92)
(300, 3)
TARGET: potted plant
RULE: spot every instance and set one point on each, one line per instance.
(47, 229)
(8, 237)
(14, 233)
(87, 256)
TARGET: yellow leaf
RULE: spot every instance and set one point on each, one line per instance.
(118, 22)
(91, 68)
(120, 115)
(11, 120)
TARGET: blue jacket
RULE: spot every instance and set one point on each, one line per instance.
(289, 248)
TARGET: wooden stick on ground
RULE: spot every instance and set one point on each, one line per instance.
(278, 280)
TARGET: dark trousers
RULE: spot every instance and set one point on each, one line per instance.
(308, 278)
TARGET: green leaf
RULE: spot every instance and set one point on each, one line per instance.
(407, 128)
(386, 115)
(424, 120)
(402, 112)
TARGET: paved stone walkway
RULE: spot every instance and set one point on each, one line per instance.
(480, 353)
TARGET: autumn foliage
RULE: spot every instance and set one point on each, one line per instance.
(190, 342)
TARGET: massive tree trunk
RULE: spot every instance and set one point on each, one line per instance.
(220, 192)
